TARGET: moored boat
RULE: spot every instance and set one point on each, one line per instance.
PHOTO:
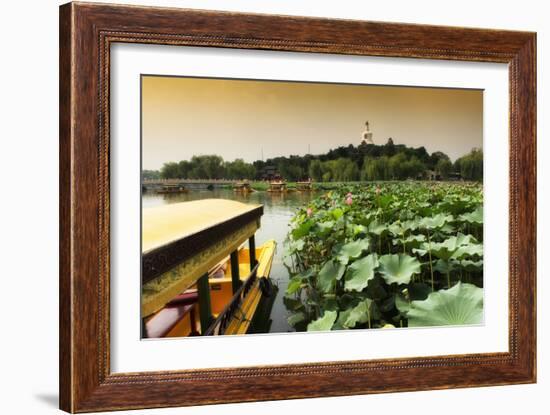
(304, 186)
(172, 188)
(277, 186)
(198, 277)
(243, 187)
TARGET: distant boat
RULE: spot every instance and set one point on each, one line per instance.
(242, 187)
(304, 186)
(172, 188)
(277, 186)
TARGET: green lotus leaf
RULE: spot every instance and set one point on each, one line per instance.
(324, 228)
(447, 248)
(360, 273)
(352, 250)
(358, 314)
(359, 229)
(472, 266)
(294, 285)
(302, 229)
(337, 213)
(411, 224)
(444, 266)
(296, 318)
(435, 222)
(384, 201)
(398, 268)
(328, 275)
(421, 251)
(447, 228)
(377, 228)
(323, 323)
(397, 228)
(414, 241)
(473, 217)
(468, 251)
(458, 305)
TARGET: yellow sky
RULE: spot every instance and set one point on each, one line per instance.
(183, 117)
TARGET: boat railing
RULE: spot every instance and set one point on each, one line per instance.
(219, 325)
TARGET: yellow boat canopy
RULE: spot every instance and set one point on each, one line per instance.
(182, 241)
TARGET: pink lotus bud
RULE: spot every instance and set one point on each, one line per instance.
(349, 201)
(309, 212)
(378, 190)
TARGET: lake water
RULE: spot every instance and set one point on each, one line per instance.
(279, 208)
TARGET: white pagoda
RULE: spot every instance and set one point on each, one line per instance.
(367, 134)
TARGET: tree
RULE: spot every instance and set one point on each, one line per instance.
(435, 157)
(389, 148)
(184, 167)
(376, 169)
(316, 170)
(444, 167)
(238, 169)
(169, 171)
(397, 166)
(471, 165)
(150, 174)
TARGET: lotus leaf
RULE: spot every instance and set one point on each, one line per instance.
(296, 318)
(436, 221)
(473, 217)
(323, 323)
(328, 275)
(352, 250)
(461, 304)
(358, 314)
(398, 268)
(360, 273)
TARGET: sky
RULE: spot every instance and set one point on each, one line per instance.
(249, 119)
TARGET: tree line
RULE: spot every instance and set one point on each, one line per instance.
(346, 163)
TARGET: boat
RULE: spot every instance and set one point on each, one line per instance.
(243, 187)
(304, 186)
(172, 189)
(199, 275)
(277, 186)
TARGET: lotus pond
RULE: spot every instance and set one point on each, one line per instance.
(368, 256)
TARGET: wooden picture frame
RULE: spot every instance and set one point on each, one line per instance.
(86, 33)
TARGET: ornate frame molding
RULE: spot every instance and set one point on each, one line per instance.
(86, 33)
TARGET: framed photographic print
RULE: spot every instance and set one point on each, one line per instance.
(277, 203)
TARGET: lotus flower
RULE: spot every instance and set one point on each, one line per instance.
(349, 201)
(309, 212)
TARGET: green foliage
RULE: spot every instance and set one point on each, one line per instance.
(366, 162)
(329, 274)
(461, 304)
(471, 165)
(369, 263)
(352, 250)
(398, 268)
(150, 174)
(208, 167)
(360, 273)
(324, 323)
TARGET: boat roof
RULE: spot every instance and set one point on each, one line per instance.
(165, 224)
(183, 241)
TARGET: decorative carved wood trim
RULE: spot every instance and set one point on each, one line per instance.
(86, 33)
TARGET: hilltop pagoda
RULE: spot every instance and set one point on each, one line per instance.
(367, 135)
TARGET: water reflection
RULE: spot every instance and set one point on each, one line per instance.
(278, 210)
